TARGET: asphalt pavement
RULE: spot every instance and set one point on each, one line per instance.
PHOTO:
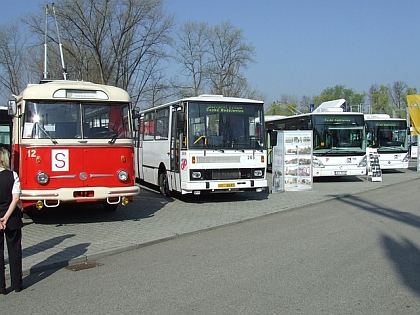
(75, 234)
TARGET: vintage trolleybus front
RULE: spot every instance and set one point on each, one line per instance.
(202, 144)
(73, 143)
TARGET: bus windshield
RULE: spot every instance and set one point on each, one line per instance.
(225, 125)
(387, 136)
(70, 120)
(338, 134)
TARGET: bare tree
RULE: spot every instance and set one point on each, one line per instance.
(286, 106)
(397, 92)
(305, 104)
(116, 42)
(192, 53)
(379, 99)
(15, 72)
(229, 55)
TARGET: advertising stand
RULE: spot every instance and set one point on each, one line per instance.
(374, 168)
(417, 149)
(292, 161)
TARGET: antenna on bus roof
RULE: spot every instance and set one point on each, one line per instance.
(45, 45)
(59, 44)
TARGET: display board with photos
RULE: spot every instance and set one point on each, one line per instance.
(292, 161)
(374, 171)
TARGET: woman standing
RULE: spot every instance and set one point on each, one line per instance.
(10, 223)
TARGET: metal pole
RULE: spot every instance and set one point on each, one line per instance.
(59, 44)
(45, 45)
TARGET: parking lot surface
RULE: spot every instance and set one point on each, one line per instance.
(69, 235)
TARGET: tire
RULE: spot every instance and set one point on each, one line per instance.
(28, 212)
(110, 207)
(163, 185)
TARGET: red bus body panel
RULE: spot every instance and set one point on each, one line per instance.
(77, 168)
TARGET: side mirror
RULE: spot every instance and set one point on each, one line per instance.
(180, 117)
(11, 108)
(136, 124)
(135, 113)
(273, 138)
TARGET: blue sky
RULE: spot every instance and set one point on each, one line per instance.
(303, 46)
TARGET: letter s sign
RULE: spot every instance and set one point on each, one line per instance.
(60, 160)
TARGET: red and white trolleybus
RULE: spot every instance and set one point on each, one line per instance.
(72, 143)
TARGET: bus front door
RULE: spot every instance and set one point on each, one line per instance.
(176, 138)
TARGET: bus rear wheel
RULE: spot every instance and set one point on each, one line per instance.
(163, 185)
(110, 207)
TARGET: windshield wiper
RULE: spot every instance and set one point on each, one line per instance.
(328, 151)
(393, 148)
(114, 138)
(46, 133)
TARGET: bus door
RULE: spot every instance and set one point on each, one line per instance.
(138, 145)
(5, 130)
(177, 135)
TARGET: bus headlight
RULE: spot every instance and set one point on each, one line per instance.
(317, 163)
(363, 162)
(258, 173)
(123, 176)
(196, 175)
(42, 178)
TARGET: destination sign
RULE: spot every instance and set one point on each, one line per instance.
(224, 109)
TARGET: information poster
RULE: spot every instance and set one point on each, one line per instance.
(292, 161)
(278, 164)
(417, 157)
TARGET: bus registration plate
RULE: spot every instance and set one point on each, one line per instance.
(227, 185)
(340, 173)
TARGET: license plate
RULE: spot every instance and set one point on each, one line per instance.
(340, 172)
(230, 185)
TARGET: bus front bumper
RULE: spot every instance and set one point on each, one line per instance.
(337, 171)
(53, 197)
(257, 185)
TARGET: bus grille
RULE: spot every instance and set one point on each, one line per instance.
(218, 159)
(228, 174)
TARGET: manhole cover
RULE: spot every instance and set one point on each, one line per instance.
(85, 265)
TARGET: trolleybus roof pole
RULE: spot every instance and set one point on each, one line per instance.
(45, 45)
(60, 45)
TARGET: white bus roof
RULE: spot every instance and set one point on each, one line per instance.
(377, 116)
(71, 90)
(207, 98)
(331, 106)
(381, 117)
(220, 98)
(273, 117)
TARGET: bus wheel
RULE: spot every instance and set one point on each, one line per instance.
(163, 185)
(108, 207)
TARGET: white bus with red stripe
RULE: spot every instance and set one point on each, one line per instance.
(203, 144)
(72, 143)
